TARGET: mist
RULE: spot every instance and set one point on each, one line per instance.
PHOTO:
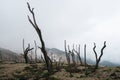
(78, 22)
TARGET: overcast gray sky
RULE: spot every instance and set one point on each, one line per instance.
(77, 21)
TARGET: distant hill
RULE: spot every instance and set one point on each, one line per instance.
(6, 54)
(56, 53)
(59, 53)
(108, 63)
(102, 63)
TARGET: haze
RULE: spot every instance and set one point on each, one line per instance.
(77, 21)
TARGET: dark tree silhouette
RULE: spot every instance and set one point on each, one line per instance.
(25, 51)
(96, 56)
(67, 53)
(38, 30)
(85, 59)
(72, 55)
(78, 54)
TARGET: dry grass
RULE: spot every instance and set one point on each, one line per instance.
(38, 71)
(6, 70)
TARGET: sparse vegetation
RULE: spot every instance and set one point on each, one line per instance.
(39, 72)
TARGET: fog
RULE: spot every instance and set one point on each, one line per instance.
(77, 21)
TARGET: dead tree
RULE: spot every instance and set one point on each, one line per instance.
(96, 56)
(38, 30)
(59, 63)
(35, 51)
(48, 59)
(52, 57)
(25, 51)
(31, 57)
(67, 57)
(85, 59)
(78, 54)
(67, 53)
(72, 55)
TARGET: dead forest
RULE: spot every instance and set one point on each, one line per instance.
(46, 67)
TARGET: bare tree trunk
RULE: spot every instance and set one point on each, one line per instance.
(95, 52)
(72, 55)
(98, 59)
(67, 53)
(52, 59)
(85, 59)
(59, 63)
(67, 57)
(25, 51)
(35, 51)
(34, 24)
(31, 58)
(23, 45)
(78, 54)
